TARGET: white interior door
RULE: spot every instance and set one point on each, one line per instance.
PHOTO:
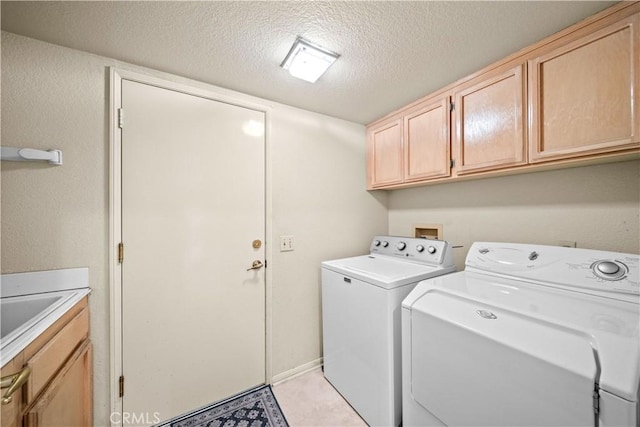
(193, 203)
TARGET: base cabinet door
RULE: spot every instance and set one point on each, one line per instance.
(489, 122)
(385, 155)
(582, 95)
(67, 401)
(427, 144)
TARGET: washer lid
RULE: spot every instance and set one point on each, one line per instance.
(384, 272)
(612, 326)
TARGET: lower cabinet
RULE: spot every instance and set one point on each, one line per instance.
(58, 390)
(67, 399)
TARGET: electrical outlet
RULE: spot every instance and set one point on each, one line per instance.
(286, 243)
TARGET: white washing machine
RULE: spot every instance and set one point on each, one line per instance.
(526, 335)
(361, 299)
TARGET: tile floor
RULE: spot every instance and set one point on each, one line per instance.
(309, 400)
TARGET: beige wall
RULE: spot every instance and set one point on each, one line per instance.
(57, 217)
(596, 206)
(319, 197)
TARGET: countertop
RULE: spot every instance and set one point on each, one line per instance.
(72, 285)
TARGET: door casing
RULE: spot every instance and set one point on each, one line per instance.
(116, 75)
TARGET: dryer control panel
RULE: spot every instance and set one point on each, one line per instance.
(579, 268)
(425, 251)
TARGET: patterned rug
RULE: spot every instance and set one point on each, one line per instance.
(253, 408)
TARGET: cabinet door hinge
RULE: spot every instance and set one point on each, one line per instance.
(121, 386)
(451, 106)
(452, 163)
(120, 118)
(120, 253)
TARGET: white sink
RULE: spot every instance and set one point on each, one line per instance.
(31, 302)
(19, 314)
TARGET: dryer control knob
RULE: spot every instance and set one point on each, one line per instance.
(608, 267)
(431, 249)
(609, 270)
(385, 244)
(376, 243)
(419, 248)
(401, 246)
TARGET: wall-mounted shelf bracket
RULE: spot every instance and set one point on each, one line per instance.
(54, 157)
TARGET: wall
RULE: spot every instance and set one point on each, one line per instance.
(596, 206)
(58, 217)
(319, 197)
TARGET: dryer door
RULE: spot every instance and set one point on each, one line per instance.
(473, 364)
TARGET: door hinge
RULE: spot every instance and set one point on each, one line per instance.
(120, 253)
(452, 163)
(265, 263)
(451, 106)
(596, 401)
(120, 118)
(121, 386)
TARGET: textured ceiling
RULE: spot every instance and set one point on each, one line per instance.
(391, 52)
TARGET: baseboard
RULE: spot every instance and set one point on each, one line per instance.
(297, 371)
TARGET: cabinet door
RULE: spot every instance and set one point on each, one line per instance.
(11, 415)
(582, 95)
(385, 154)
(427, 144)
(489, 122)
(67, 400)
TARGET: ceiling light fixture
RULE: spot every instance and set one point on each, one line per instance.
(308, 61)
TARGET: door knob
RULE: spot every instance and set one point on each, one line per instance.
(255, 265)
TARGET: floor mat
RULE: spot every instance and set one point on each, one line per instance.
(254, 408)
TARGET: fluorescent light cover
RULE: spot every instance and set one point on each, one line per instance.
(308, 61)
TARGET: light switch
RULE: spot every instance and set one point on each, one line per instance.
(286, 243)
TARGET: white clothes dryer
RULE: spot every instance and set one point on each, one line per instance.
(361, 299)
(526, 335)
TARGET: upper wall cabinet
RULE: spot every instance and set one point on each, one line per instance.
(385, 154)
(568, 100)
(427, 148)
(490, 113)
(413, 147)
(582, 94)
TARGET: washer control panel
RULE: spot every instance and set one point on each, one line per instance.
(411, 248)
(581, 268)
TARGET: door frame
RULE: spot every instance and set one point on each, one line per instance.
(189, 87)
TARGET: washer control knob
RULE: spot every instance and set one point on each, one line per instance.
(385, 244)
(608, 267)
(431, 250)
(420, 248)
(401, 246)
(376, 243)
